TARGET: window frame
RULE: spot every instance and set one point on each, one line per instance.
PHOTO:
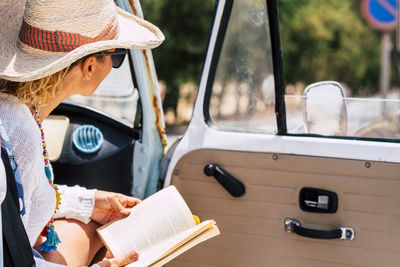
(277, 64)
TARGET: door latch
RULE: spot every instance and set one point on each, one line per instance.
(318, 200)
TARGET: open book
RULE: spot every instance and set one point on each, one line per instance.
(160, 228)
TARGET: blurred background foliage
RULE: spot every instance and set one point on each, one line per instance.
(329, 40)
(186, 25)
(321, 40)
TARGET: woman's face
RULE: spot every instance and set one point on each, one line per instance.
(85, 77)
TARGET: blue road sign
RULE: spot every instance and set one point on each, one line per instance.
(380, 14)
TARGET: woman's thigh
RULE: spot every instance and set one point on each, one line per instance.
(79, 243)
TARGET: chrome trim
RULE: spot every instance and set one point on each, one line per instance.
(347, 233)
(288, 224)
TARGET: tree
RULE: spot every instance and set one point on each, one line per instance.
(328, 40)
(186, 25)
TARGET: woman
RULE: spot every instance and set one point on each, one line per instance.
(51, 50)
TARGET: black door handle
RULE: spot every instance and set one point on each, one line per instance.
(231, 184)
(345, 233)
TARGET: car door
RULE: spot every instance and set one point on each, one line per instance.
(114, 139)
(341, 192)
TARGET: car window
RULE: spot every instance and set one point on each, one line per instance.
(331, 41)
(116, 95)
(243, 91)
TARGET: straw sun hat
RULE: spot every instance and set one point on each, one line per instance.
(41, 37)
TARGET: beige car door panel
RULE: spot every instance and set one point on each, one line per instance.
(252, 230)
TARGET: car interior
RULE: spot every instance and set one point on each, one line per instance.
(108, 168)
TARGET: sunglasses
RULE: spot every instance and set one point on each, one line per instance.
(117, 56)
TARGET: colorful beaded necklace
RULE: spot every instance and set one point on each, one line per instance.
(52, 239)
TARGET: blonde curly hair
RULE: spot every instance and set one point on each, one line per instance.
(39, 92)
(36, 92)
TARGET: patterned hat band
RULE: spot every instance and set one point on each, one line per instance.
(59, 41)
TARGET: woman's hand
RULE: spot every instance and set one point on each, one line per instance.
(113, 262)
(109, 206)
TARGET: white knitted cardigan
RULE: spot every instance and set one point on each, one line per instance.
(40, 200)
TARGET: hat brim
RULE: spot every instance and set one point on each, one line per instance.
(19, 65)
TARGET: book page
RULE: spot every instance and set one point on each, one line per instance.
(167, 247)
(207, 234)
(157, 218)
